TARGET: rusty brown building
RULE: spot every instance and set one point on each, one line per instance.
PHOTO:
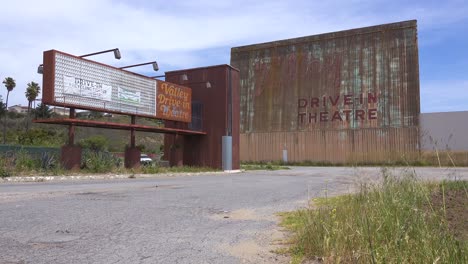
(348, 96)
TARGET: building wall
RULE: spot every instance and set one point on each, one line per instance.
(444, 131)
(18, 109)
(348, 95)
(220, 116)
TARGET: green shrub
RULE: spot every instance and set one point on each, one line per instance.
(95, 143)
(99, 162)
(25, 162)
(40, 137)
(4, 167)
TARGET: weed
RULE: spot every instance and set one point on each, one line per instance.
(263, 166)
(391, 222)
(25, 162)
(4, 168)
(99, 162)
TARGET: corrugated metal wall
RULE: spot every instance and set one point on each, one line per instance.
(331, 97)
(336, 146)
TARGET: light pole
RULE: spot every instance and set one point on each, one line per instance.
(154, 63)
(116, 51)
(132, 154)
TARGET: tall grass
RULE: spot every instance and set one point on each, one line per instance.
(22, 162)
(99, 161)
(393, 222)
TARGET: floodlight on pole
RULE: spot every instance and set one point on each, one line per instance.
(116, 51)
(158, 76)
(117, 55)
(184, 78)
(154, 63)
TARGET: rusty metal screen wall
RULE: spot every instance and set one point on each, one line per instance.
(339, 85)
(336, 146)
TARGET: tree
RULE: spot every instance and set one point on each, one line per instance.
(42, 111)
(3, 108)
(10, 84)
(31, 93)
(95, 114)
(95, 143)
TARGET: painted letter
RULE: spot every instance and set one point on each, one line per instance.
(347, 112)
(336, 100)
(323, 116)
(301, 117)
(371, 98)
(314, 116)
(337, 116)
(372, 113)
(348, 99)
(314, 102)
(301, 103)
(359, 114)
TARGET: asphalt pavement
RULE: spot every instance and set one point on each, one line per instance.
(203, 218)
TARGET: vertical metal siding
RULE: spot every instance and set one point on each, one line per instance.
(206, 150)
(374, 145)
(277, 77)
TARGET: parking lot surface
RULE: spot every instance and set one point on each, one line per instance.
(203, 218)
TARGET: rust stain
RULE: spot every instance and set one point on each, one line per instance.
(347, 81)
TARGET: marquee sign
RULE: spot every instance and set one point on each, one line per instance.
(72, 81)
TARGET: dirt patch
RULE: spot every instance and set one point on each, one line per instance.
(259, 250)
(456, 208)
(263, 246)
(241, 214)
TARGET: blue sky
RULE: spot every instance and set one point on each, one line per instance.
(185, 34)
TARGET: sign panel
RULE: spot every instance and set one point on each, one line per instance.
(71, 81)
(174, 102)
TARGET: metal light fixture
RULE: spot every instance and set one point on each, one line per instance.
(208, 85)
(117, 55)
(116, 51)
(154, 63)
(183, 77)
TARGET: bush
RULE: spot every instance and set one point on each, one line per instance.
(4, 167)
(25, 162)
(99, 162)
(40, 137)
(95, 143)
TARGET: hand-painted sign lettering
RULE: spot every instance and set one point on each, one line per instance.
(174, 102)
(342, 107)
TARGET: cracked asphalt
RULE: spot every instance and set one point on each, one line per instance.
(205, 218)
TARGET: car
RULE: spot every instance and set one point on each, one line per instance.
(145, 159)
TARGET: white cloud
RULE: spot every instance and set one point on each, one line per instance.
(179, 34)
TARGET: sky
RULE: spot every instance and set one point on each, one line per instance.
(197, 33)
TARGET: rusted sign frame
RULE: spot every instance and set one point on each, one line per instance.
(182, 114)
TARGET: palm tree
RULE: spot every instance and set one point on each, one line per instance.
(9, 84)
(31, 93)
